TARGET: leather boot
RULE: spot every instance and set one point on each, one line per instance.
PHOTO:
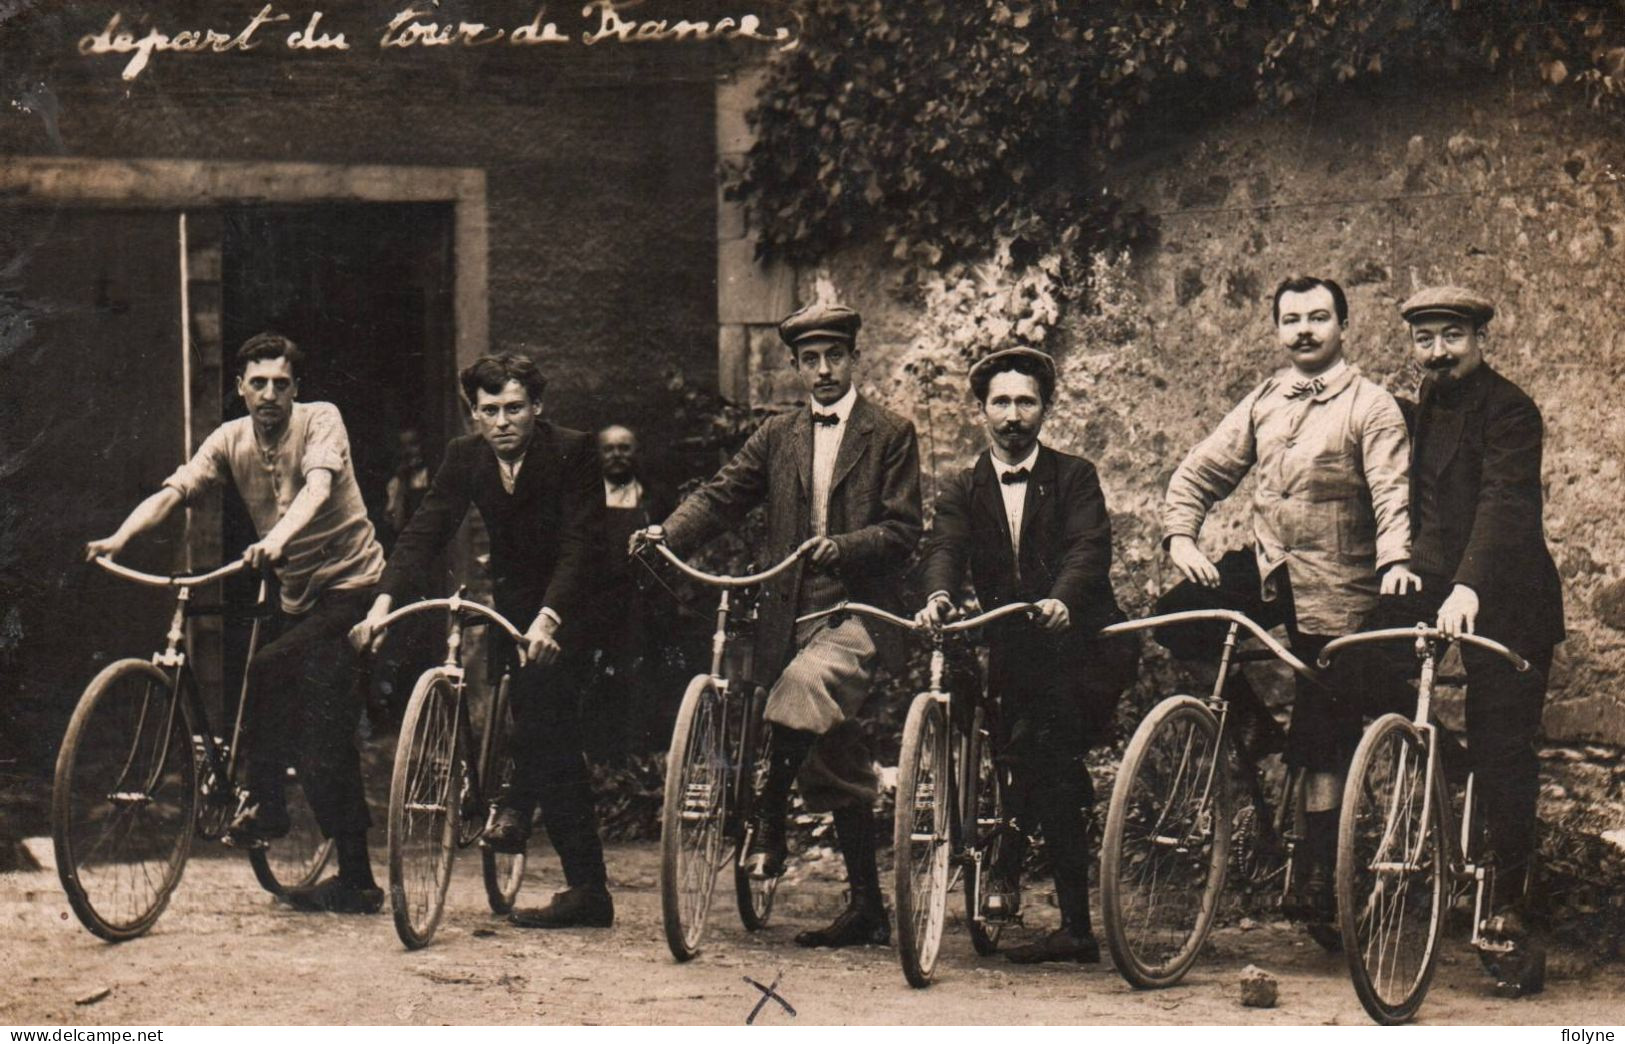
(587, 906)
(769, 849)
(864, 921)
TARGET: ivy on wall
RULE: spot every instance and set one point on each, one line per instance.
(951, 129)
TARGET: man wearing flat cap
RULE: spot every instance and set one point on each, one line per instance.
(1030, 524)
(841, 482)
(1328, 448)
(1478, 544)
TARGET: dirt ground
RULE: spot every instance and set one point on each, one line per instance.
(226, 953)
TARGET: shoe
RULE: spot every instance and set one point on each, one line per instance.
(257, 822)
(589, 906)
(334, 896)
(1060, 945)
(1512, 955)
(860, 924)
(769, 849)
(508, 831)
(1312, 898)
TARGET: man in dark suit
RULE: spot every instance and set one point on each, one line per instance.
(1478, 544)
(539, 491)
(841, 481)
(1031, 524)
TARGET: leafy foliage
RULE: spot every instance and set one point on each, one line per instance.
(943, 127)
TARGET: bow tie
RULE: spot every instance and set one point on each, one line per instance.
(1016, 477)
(831, 419)
(1313, 386)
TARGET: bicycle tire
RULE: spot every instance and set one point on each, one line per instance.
(296, 860)
(422, 820)
(125, 792)
(503, 872)
(1384, 852)
(984, 805)
(753, 894)
(1176, 748)
(693, 815)
(920, 838)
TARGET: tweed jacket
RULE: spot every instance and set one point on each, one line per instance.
(1490, 505)
(874, 513)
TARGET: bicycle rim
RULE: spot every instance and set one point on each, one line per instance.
(692, 817)
(920, 840)
(297, 860)
(423, 809)
(124, 804)
(1391, 870)
(1167, 843)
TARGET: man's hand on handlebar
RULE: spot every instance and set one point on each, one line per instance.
(642, 539)
(540, 645)
(109, 546)
(262, 555)
(367, 636)
(1053, 615)
(936, 612)
(1459, 613)
(822, 552)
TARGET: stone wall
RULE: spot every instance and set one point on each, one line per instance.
(1496, 188)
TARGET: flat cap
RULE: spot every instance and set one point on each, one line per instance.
(821, 320)
(981, 372)
(1454, 301)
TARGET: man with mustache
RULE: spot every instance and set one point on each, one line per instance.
(290, 461)
(1030, 523)
(536, 486)
(1480, 549)
(1329, 450)
(841, 481)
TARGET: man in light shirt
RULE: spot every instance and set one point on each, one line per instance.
(840, 479)
(1329, 453)
(290, 461)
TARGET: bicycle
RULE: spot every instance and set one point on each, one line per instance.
(716, 764)
(142, 771)
(440, 799)
(950, 823)
(1400, 861)
(1174, 813)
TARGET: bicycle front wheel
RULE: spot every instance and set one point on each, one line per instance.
(424, 808)
(1391, 866)
(124, 803)
(294, 861)
(1167, 843)
(693, 816)
(920, 839)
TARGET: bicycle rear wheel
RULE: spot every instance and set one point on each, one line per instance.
(693, 816)
(754, 894)
(504, 872)
(124, 803)
(1391, 867)
(297, 860)
(424, 809)
(1167, 843)
(920, 839)
(984, 828)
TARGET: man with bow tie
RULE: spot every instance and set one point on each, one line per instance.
(1030, 524)
(1329, 451)
(1480, 550)
(840, 480)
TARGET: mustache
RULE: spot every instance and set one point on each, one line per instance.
(1439, 364)
(1306, 341)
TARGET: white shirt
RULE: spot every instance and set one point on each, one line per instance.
(826, 443)
(627, 495)
(1014, 494)
(510, 471)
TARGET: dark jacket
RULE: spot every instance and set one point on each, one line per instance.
(873, 517)
(1490, 500)
(541, 535)
(1066, 553)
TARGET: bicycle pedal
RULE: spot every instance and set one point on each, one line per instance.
(245, 844)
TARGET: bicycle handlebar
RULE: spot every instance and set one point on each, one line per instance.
(456, 604)
(860, 609)
(1281, 652)
(154, 580)
(729, 581)
(1425, 633)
